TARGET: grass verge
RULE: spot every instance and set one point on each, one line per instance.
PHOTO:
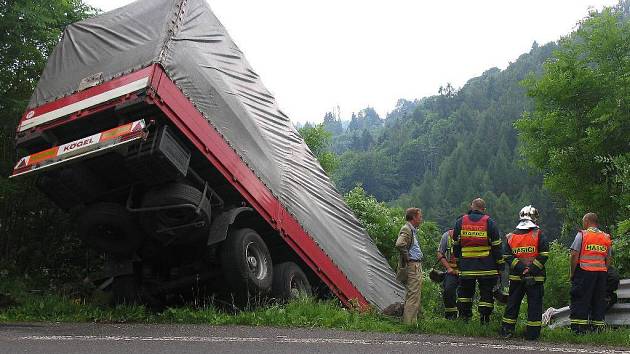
(307, 313)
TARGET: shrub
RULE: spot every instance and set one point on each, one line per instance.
(381, 222)
(557, 285)
(621, 244)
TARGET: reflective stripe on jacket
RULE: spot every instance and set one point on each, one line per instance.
(595, 246)
(469, 228)
(525, 256)
(474, 237)
(524, 246)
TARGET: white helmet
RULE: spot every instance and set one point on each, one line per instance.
(528, 213)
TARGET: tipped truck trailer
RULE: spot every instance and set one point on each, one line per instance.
(149, 126)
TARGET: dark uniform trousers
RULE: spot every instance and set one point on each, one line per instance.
(588, 300)
(466, 293)
(449, 296)
(534, 292)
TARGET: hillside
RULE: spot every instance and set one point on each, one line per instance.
(439, 152)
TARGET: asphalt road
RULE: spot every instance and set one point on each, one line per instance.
(133, 338)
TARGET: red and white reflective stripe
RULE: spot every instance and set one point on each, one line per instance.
(74, 147)
(33, 120)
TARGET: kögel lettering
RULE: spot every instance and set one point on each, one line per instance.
(78, 144)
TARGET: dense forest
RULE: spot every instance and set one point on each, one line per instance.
(440, 152)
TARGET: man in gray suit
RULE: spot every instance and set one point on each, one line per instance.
(409, 264)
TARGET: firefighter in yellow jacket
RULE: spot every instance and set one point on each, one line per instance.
(590, 257)
(526, 251)
(477, 247)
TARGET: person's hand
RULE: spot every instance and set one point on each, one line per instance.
(526, 271)
(451, 271)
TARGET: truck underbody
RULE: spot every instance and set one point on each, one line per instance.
(166, 199)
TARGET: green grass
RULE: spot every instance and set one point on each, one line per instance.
(301, 313)
(50, 307)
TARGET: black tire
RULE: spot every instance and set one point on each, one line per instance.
(110, 228)
(173, 194)
(246, 264)
(72, 186)
(289, 282)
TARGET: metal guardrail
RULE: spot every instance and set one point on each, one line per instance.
(624, 289)
(618, 315)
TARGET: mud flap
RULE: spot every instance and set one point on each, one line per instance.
(220, 226)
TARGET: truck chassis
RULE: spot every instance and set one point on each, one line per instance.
(187, 208)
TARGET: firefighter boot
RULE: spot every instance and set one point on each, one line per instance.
(506, 331)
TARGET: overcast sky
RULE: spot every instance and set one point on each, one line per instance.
(315, 55)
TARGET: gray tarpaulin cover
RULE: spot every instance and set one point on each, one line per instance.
(195, 50)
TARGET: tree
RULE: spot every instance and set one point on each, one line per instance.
(402, 109)
(318, 140)
(374, 170)
(366, 119)
(580, 124)
(29, 30)
(333, 124)
(380, 222)
(383, 223)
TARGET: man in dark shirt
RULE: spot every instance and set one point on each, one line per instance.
(477, 246)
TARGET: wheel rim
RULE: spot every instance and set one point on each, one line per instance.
(256, 261)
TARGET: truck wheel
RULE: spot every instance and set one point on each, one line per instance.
(109, 227)
(289, 282)
(173, 194)
(246, 264)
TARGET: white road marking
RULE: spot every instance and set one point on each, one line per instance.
(285, 339)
